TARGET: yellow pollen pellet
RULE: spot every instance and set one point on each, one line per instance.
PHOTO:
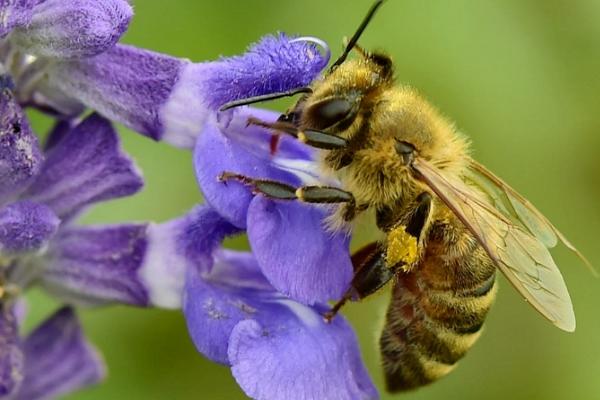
(401, 248)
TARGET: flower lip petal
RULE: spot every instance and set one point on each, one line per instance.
(277, 347)
(59, 360)
(296, 252)
(85, 167)
(300, 357)
(215, 303)
(26, 226)
(277, 63)
(73, 28)
(242, 150)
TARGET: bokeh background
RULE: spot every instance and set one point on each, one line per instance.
(520, 77)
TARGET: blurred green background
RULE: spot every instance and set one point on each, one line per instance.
(521, 78)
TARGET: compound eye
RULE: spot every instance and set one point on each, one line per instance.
(331, 111)
(406, 151)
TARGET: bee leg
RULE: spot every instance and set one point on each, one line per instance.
(372, 272)
(311, 137)
(283, 191)
(329, 315)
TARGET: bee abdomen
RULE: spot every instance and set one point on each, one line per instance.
(428, 331)
(460, 311)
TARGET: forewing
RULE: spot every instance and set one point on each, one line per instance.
(513, 204)
(518, 253)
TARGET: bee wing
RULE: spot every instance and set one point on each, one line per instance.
(521, 256)
(509, 201)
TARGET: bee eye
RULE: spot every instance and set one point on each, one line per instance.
(405, 150)
(329, 112)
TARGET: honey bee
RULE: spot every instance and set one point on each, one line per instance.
(448, 223)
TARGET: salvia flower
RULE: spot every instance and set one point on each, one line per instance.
(53, 360)
(170, 99)
(38, 241)
(277, 348)
(260, 312)
(41, 193)
(35, 34)
(296, 252)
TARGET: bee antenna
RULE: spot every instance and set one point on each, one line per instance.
(357, 34)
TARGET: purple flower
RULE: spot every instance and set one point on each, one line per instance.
(295, 251)
(67, 28)
(38, 33)
(277, 347)
(38, 242)
(41, 192)
(53, 360)
(62, 57)
(259, 312)
(170, 99)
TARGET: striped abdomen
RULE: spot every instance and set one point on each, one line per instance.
(437, 310)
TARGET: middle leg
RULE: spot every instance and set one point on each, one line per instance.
(307, 194)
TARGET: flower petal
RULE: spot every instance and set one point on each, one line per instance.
(11, 355)
(274, 64)
(60, 129)
(51, 100)
(73, 28)
(20, 155)
(289, 350)
(296, 252)
(85, 167)
(215, 303)
(58, 359)
(26, 226)
(243, 150)
(15, 13)
(97, 265)
(177, 244)
(125, 84)
(299, 357)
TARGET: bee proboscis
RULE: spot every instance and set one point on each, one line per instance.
(448, 223)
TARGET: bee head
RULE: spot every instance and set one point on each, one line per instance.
(334, 102)
(340, 96)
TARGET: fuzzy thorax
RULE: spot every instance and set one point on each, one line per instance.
(376, 173)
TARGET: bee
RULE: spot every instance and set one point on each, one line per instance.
(448, 223)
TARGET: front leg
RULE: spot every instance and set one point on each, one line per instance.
(311, 137)
(307, 194)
